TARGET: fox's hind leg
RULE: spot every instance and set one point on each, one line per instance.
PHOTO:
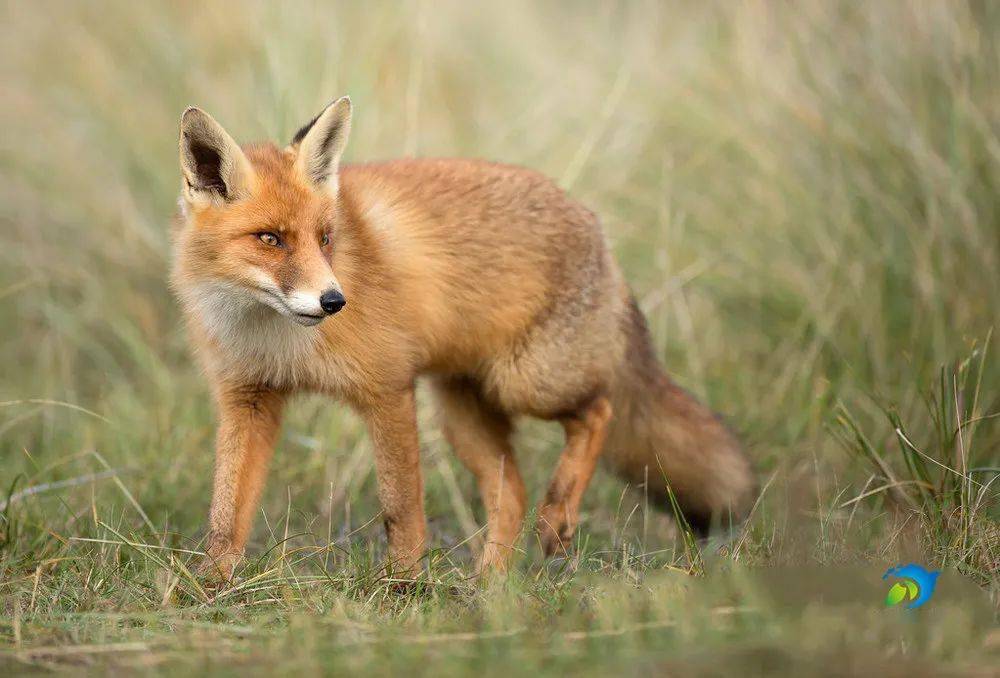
(559, 512)
(480, 435)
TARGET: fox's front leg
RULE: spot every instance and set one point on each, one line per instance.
(392, 423)
(249, 419)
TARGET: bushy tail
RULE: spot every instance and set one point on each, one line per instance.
(661, 435)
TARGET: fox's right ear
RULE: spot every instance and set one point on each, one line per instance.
(214, 166)
(320, 143)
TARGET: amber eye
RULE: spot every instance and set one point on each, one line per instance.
(325, 240)
(269, 239)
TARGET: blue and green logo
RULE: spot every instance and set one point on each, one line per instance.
(915, 585)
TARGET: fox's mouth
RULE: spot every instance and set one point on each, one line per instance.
(308, 319)
(276, 302)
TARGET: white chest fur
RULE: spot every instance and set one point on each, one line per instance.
(252, 341)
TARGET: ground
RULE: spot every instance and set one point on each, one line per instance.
(803, 198)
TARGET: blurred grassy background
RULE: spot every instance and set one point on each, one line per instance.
(804, 197)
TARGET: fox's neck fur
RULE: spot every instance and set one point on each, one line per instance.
(248, 340)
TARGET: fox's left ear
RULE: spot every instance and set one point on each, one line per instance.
(214, 167)
(321, 142)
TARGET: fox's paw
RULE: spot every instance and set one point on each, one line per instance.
(556, 533)
(218, 569)
(494, 560)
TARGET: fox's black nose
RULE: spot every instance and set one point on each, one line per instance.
(332, 301)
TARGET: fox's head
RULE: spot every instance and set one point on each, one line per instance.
(260, 224)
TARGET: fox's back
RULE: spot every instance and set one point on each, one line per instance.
(485, 218)
(487, 249)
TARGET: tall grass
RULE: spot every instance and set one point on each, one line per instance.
(953, 500)
(803, 196)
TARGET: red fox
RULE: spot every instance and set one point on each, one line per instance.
(298, 275)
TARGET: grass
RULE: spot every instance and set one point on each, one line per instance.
(803, 197)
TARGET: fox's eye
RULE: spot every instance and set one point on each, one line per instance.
(269, 239)
(325, 240)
